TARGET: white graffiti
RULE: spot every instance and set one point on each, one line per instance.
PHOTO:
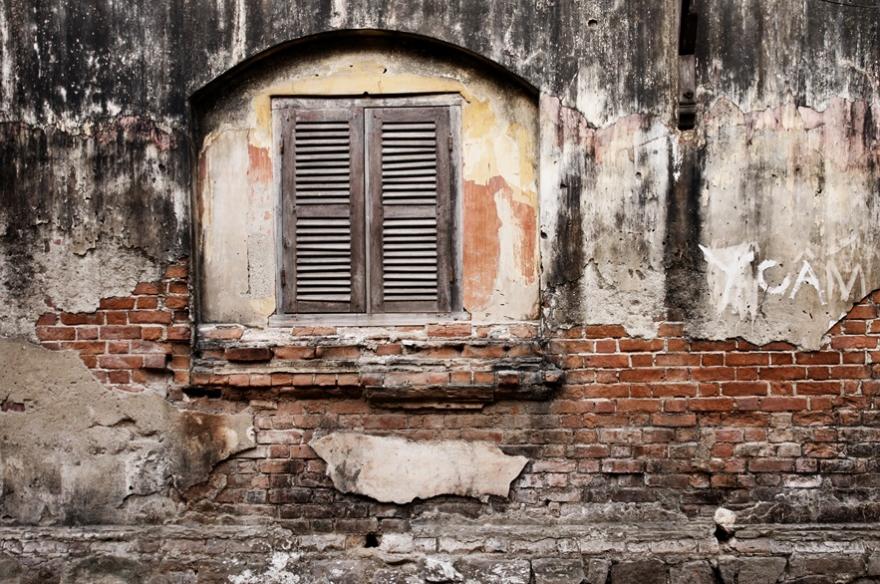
(739, 284)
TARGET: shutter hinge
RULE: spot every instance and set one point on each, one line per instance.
(449, 142)
(283, 278)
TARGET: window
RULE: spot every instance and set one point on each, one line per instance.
(368, 205)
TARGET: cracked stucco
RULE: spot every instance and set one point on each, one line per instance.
(79, 453)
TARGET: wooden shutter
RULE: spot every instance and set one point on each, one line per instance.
(408, 156)
(323, 210)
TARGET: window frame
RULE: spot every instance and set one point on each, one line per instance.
(452, 101)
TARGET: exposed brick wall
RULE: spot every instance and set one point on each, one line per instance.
(684, 424)
(131, 342)
(676, 422)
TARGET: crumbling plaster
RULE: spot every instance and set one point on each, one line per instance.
(238, 190)
(73, 452)
(397, 470)
(611, 67)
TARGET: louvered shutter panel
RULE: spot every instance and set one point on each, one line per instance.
(408, 155)
(323, 211)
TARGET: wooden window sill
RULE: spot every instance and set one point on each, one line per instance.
(347, 319)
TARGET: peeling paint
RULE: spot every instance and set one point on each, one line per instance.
(498, 149)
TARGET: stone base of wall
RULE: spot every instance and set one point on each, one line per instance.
(443, 549)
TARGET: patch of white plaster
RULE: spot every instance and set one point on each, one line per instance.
(281, 569)
(398, 470)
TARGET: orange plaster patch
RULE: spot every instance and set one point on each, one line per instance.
(482, 239)
(526, 252)
(481, 246)
(259, 164)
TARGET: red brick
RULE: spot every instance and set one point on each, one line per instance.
(338, 352)
(622, 466)
(150, 347)
(677, 359)
(817, 358)
(483, 377)
(640, 345)
(248, 354)
(180, 362)
(850, 372)
(642, 375)
(449, 330)
(771, 465)
(674, 390)
(147, 302)
(119, 376)
(818, 387)
(149, 317)
(325, 379)
(260, 380)
(713, 373)
(293, 353)
(605, 345)
(670, 329)
(178, 333)
(176, 271)
(783, 404)
(147, 288)
(348, 380)
(177, 288)
(600, 331)
(118, 347)
(606, 361)
(116, 303)
(87, 347)
(302, 379)
(120, 361)
(56, 333)
(389, 349)
(239, 380)
(711, 404)
(116, 317)
(174, 302)
(638, 405)
(862, 312)
(674, 420)
(72, 319)
(854, 342)
(734, 359)
(120, 332)
(90, 361)
(739, 388)
(152, 333)
(155, 361)
(778, 346)
(86, 333)
(460, 377)
(781, 373)
(47, 319)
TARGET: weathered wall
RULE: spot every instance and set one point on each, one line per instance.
(761, 222)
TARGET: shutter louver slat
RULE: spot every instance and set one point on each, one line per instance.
(410, 195)
(324, 204)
